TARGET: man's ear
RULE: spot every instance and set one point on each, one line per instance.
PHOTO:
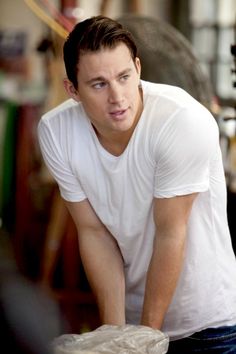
(137, 64)
(70, 89)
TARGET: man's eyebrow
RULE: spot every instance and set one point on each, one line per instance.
(95, 79)
(102, 78)
(124, 72)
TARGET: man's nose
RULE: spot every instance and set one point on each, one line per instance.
(115, 93)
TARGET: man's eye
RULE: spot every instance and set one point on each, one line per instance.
(124, 77)
(98, 85)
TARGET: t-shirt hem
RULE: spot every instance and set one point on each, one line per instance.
(174, 337)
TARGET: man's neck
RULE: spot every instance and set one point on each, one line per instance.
(115, 143)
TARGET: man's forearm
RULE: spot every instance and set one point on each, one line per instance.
(162, 277)
(102, 261)
(103, 265)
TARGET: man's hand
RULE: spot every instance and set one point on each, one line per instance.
(171, 218)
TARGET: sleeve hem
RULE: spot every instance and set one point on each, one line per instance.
(181, 191)
(74, 198)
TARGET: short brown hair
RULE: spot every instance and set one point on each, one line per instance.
(91, 35)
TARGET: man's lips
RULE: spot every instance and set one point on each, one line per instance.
(118, 113)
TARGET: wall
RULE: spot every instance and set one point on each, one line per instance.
(15, 15)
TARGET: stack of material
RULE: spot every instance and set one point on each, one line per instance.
(107, 339)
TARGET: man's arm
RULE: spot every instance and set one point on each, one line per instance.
(102, 261)
(171, 217)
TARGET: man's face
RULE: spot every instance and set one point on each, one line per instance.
(108, 87)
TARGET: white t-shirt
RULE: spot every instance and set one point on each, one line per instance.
(174, 150)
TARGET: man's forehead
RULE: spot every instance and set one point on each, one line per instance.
(105, 61)
(107, 51)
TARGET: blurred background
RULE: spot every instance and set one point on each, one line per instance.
(188, 43)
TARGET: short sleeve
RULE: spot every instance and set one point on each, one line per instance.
(187, 144)
(69, 185)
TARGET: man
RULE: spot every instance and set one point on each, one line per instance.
(139, 167)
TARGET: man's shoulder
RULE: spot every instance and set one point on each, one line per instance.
(63, 108)
(167, 92)
(61, 118)
(169, 108)
(168, 100)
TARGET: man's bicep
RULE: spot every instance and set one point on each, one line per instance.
(84, 216)
(184, 153)
(171, 212)
(58, 166)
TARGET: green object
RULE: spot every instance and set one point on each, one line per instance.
(7, 194)
(2, 134)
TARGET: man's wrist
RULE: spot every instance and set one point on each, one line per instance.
(151, 320)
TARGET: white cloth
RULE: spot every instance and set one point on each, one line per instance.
(173, 151)
(128, 339)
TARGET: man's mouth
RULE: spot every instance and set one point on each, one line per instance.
(118, 114)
